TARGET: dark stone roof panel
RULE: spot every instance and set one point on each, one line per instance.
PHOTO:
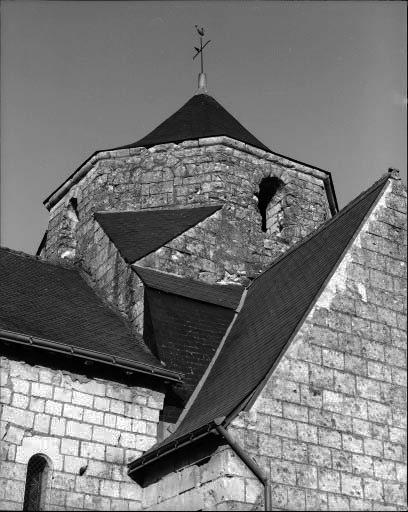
(202, 116)
(226, 295)
(138, 233)
(184, 334)
(53, 302)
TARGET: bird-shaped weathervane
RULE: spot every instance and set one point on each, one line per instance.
(199, 51)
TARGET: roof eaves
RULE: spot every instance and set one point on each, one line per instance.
(173, 445)
(90, 355)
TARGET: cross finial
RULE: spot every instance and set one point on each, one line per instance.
(202, 80)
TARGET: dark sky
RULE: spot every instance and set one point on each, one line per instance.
(321, 82)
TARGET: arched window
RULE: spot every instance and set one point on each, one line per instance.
(267, 190)
(36, 483)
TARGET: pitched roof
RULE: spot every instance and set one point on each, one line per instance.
(202, 116)
(185, 320)
(183, 333)
(139, 233)
(275, 305)
(52, 302)
(226, 295)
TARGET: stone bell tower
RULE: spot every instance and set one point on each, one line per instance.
(200, 156)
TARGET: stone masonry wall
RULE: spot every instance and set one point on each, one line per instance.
(75, 422)
(192, 173)
(330, 425)
(224, 483)
(329, 428)
(217, 250)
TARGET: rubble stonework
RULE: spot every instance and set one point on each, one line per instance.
(230, 246)
(329, 427)
(76, 422)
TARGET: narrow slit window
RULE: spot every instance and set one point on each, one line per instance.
(73, 203)
(36, 483)
(267, 189)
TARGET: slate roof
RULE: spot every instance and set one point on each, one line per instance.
(226, 295)
(275, 305)
(53, 302)
(185, 320)
(138, 233)
(202, 116)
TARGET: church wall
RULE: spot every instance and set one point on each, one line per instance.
(188, 174)
(329, 427)
(75, 422)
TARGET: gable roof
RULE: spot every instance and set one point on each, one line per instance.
(47, 301)
(138, 233)
(202, 116)
(275, 305)
(225, 295)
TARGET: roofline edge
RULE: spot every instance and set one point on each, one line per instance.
(99, 155)
(136, 268)
(90, 355)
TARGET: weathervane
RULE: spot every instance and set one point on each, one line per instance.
(202, 80)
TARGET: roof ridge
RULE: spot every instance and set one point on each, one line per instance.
(384, 178)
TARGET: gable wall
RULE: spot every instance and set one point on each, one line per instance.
(75, 421)
(329, 427)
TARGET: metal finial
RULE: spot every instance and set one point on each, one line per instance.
(202, 82)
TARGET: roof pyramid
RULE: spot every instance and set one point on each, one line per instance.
(202, 116)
